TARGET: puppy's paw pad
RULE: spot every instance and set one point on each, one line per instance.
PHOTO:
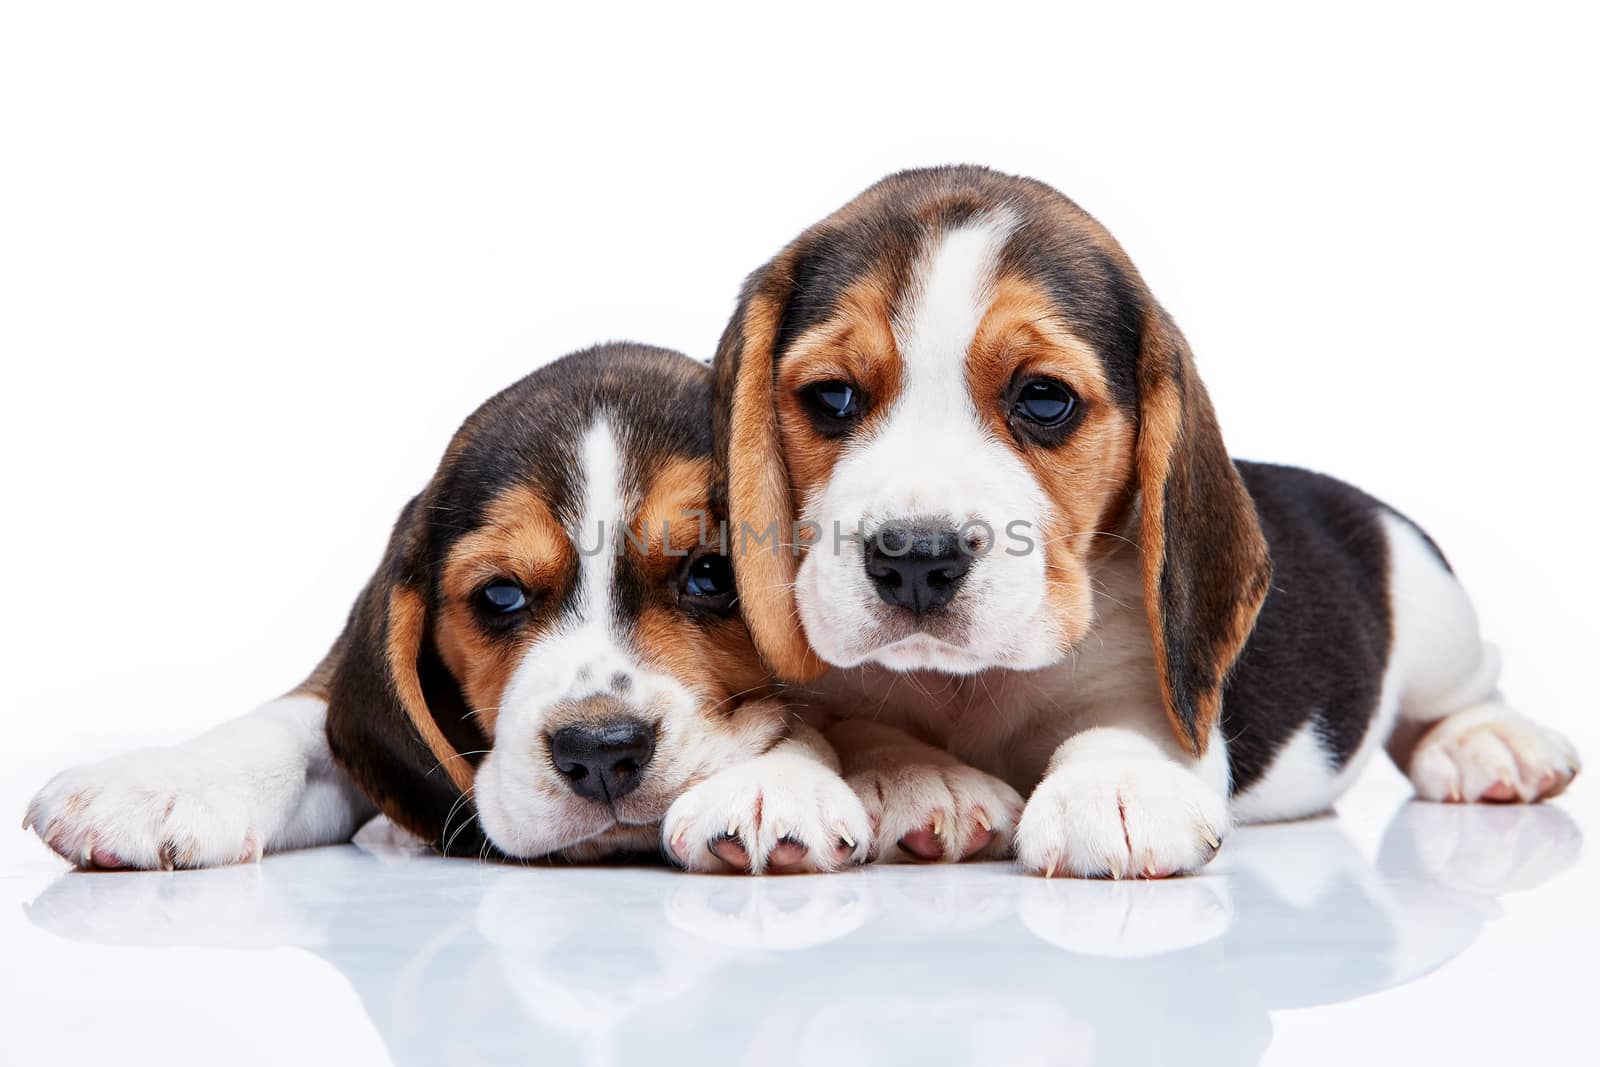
(1492, 754)
(789, 854)
(727, 848)
(925, 813)
(1121, 818)
(923, 845)
(777, 815)
(145, 811)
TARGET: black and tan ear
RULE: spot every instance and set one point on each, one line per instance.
(751, 472)
(396, 719)
(1206, 568)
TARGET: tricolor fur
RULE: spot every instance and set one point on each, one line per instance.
(1111, 617)
(530, 671)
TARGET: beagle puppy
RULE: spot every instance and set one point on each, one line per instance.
(981, 505)
(547, 662)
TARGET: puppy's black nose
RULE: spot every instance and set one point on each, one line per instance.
(603, 762)
(916, 568)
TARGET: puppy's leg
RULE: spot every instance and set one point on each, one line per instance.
(925, 805)
(1454, 736)
(1121, 799)
(785, 811)
(263, 782)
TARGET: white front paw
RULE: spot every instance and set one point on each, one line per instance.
(1121, 817)
(779, 813)
(925, 812)
(149, 810)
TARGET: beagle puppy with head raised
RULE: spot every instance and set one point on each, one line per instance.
(981, 505)
(548, 662)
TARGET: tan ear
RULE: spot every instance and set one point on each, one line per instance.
(751, 471)
(396, 719)
(1206, 569)
(408, 627)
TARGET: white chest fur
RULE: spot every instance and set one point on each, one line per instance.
(1009, 723)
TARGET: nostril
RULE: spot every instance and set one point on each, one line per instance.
(918, 568)
(603, 761)
(884, 574)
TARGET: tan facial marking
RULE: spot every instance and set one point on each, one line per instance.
(1086, 477)
(520, 539)
(715, 659)
(676, 504)
(855, 345)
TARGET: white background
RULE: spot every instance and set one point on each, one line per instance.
(257, 262)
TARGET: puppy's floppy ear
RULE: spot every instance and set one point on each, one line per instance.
(753, 479)
(396, 719)
(1206, 568)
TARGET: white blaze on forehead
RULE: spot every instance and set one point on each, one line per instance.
(601, 519)
(934, 456)
(952, 289)
(524, 804)
(586, 647)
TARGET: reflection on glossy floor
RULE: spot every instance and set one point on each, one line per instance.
(458, 962)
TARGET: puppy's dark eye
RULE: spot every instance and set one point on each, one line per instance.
(833, 404)
(1045, 402)
(502, 596)
(708, 583)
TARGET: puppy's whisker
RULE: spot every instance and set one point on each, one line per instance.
(1104, 591)
(459, 755)
(742, 693)
(457, 806)
(1059, 538)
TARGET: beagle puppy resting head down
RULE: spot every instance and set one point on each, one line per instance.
(552, 601)
(548, 661)
(961, 441)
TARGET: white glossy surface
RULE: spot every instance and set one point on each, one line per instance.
(255, 269)
(1396, 930)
